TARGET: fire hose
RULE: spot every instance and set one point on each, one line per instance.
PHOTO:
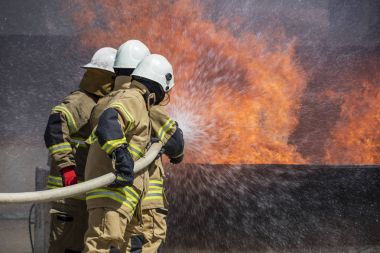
(78, 189)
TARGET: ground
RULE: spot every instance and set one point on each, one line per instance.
(15, 239)
(14, 236)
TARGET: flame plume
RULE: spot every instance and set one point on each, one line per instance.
(356, 137)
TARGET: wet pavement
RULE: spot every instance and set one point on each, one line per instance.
(14, 238)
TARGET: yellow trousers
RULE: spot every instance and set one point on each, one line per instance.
(67, 228)
(148, 236)
(106, 231)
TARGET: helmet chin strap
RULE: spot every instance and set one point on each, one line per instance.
(151, 100)
(166, 100)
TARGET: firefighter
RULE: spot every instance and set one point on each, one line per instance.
(147, 235)
(121, 137)
(67, 129)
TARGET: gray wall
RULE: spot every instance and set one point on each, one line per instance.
(39, 65)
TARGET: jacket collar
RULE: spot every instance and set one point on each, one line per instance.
(148, 97)
(122, 82)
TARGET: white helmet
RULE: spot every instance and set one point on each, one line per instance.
(157, 68)
(130, 54)
(103, 59)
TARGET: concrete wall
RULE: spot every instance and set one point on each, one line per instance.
(35, 76)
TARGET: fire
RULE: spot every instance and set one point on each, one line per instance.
(356, 137)
(236, 97)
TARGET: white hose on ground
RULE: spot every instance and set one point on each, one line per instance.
(78, 189)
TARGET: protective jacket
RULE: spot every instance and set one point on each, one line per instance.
(65, 135)
(126, 121)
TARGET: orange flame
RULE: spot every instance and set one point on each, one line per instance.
(356, 137)
(236, 97)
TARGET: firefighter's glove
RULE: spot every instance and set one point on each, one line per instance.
(154, 140)
(69, 176)
(177, 159)
(174, 147)
(124, 167)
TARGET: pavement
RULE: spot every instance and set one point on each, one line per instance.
(14, 236)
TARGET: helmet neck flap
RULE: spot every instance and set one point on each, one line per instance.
(153, 88)
(97, 82)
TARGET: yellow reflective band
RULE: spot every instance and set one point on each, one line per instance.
(160, 131)
(154, 198)
(154, 193)
(134, 150)
(65, 146)
(153, 181)
(116, 193)
(110, 146)
(92, 138)
(125, 112)
(54, 178)
(105, 193)
(78, 142)
(133, 153)
(165, 128)
(119, 178)
(127, 190)
(155, 188)
(130, 192)
(55, 181)
(69, 117)
(110, 196)
(137, 148)
(121, 192)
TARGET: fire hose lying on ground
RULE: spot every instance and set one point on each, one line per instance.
(74, 190)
